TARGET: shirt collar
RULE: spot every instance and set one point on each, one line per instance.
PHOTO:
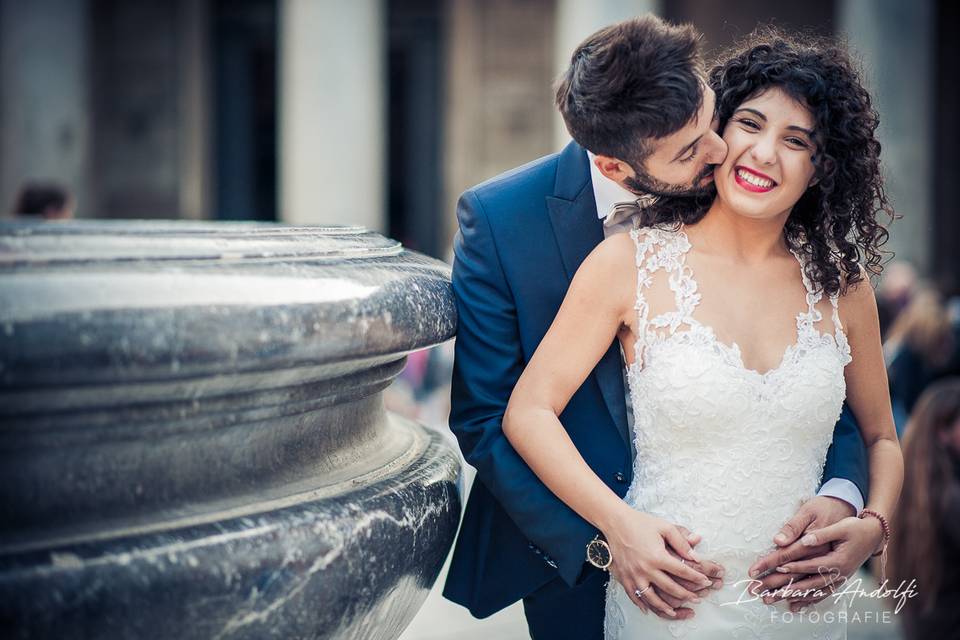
(606, 192)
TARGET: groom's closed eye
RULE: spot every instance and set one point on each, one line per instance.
(690, 155)
(688, 152)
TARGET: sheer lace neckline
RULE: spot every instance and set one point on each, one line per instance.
(659, 248)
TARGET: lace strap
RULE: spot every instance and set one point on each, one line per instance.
(644, 243)
(813, 315)
(838, 333)
(814, 295)
(662, 249)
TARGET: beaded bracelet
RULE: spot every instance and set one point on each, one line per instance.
(883, 524)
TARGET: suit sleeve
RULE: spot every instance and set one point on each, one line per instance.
(488, 362)
(847, 455)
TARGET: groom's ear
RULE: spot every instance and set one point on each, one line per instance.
(614, 169)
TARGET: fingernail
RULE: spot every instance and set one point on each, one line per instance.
(754, 573)
(696, 600)
(693, 554)
(809, 540)
(767, 600)
(720, 573)
(671, 613)
(783, 570)
(780, 538)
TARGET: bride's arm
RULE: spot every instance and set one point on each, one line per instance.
(599, 302)
(868, 393)
(588, 321)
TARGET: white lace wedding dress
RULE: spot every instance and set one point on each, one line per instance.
(726, 451)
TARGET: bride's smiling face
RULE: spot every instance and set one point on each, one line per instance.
(770, 138)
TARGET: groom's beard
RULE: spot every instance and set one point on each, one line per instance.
(643, 182)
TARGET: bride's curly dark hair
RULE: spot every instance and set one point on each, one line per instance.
(835, 223)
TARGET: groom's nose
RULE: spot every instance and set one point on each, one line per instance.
(716, 150)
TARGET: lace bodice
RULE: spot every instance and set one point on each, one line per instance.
(724, 450)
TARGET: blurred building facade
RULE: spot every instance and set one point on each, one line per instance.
(380, 112)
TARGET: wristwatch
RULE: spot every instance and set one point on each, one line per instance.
(598, 553)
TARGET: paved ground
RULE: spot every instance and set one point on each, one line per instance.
(440, 619)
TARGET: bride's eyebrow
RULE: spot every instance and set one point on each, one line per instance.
(760, 115)
(754, 112)
(808, 132)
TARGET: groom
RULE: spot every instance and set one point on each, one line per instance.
(635, 102)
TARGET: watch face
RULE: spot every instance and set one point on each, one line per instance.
(598, 553)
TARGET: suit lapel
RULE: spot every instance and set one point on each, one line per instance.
(575, 227)
(578, 230)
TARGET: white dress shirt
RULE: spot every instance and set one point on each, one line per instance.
(607, 193)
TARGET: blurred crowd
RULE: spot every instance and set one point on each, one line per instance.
(921, 340)
(921, 337)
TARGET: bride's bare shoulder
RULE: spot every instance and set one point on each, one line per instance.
(618, 253)
(857, 304)
(609, 271)
(611, 256)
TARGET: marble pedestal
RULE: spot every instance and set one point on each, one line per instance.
(193, 442)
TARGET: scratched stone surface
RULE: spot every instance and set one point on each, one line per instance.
(192, 435)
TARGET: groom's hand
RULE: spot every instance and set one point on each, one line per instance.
(816, 513)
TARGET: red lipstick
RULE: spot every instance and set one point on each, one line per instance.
(749, 186)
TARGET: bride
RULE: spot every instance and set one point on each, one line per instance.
(745, 323)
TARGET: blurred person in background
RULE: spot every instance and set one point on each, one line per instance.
(894, 293)
(926, 544)
(921, 347)
(43, 200)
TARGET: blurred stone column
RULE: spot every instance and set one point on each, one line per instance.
(332, 113)
(499, 68)
(895, 40)
(44, 102)
(575, 20)
(196, 169)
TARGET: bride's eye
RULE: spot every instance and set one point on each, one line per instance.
(748, 123)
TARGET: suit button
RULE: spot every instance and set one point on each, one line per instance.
(620, 478)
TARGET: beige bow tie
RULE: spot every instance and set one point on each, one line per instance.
(623, 211)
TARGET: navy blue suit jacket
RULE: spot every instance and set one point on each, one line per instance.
(522, 237)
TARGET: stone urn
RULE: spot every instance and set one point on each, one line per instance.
(193, 441)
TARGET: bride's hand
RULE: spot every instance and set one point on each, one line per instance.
(639, 546)
(816, 513)
(851, 542)
(708, 567)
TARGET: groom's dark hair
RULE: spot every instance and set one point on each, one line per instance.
(629, 83)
